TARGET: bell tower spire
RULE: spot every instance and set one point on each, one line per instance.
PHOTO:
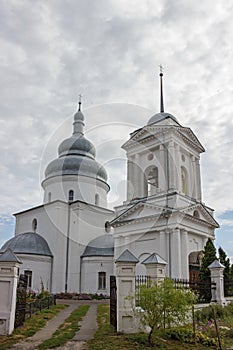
(161, 89)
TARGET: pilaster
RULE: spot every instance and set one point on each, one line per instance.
(175, 254)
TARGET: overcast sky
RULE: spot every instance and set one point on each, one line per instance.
(109, 51)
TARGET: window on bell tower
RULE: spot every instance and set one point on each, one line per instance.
(152, 179)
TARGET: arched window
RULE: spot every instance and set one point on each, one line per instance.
(152, 179)
(71, 195)
(49, 197)
(28, 275)
(102, 280)
(184, 180)
(34, 225)
(97, 199)
(196, 214)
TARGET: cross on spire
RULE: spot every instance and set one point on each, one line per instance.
(79, 102)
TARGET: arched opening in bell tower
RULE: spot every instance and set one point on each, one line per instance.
(152, 180)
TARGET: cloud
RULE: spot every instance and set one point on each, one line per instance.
(110, 52)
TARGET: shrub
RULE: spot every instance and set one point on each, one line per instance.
(206, 314)
(186, 335)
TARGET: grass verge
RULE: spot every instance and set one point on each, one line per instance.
(30, 327)
(106, 338)
(67, 330)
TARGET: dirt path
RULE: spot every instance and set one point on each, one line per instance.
(86, 332)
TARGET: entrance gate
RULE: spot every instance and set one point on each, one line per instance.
(113, 302)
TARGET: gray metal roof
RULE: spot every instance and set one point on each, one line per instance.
(161, 116)
(215, 265)
(28, 243)
(154, 259)
(127, 256)
(76, 155)
(76, 145)
(9, 256)
(100, 246)
(76, 165)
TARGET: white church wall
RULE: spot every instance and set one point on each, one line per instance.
(91, 266)
(52, 224)
(41, 270)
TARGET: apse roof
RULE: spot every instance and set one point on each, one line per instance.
(28, 243)
(100, 246)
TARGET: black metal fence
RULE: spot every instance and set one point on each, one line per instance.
(113, 302)
(39, 304)
(20, 311)
(27, 309)
(140, 281)
(203, 289)
(228, 287)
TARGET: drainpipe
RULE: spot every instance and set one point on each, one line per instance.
(67, 249)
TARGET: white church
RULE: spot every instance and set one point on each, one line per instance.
(71, 241)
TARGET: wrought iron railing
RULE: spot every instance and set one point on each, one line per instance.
(203, 289)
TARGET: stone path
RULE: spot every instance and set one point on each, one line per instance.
(86, 332)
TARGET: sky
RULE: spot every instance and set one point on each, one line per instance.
(109, 51)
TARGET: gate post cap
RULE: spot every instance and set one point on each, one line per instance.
(127, 257)
(9, 256)
(216, 265)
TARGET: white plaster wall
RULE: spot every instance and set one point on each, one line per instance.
(91, 266)
(41, 270)
(52, 225)
(85, 189)
(87, 223)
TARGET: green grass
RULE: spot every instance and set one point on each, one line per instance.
(67, 330)
(106, 338)
(30, 327)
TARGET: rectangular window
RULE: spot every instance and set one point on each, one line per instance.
(102, 280)
(28, 275)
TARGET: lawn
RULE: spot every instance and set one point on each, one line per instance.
(106, 337)
(30, 327)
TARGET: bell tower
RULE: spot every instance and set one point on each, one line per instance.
(163, 156)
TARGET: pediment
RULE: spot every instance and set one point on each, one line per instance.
(189, 136)
(149, 132)
(145, 134)
(138, 211)
(199, 212)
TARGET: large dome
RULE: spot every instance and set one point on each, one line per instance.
(28, 243)
(100, 246)
(75, 165)
(161, 116)
(76, 155)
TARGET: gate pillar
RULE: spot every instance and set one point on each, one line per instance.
(125, 278)
(9, 272)
(216, 270)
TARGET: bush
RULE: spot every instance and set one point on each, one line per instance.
(186, 335)
(206, 314)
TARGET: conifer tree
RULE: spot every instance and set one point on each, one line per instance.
(208, 257)
(225, 261)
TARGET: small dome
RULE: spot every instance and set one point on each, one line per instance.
(78, 116)
(28, 243)
(74, 145)
(76, 165)
(161, 116)
(100, 246)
